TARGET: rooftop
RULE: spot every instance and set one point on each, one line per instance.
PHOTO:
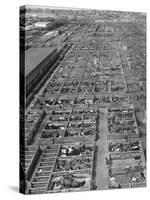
(34, 56)
(41, 24)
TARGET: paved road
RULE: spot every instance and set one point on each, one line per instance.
(101, 168)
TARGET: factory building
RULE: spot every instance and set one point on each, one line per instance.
(38, 61)
(42, 25)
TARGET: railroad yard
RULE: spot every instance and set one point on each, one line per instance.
(82, 128)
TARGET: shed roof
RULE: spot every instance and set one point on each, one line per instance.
(34, 56)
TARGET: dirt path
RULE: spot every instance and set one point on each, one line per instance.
(39, 132)
(101, 168)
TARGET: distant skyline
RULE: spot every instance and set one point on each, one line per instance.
(56, 7)
(72, 8)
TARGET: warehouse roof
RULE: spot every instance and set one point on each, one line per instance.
(34, 56)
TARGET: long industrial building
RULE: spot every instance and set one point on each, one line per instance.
(38, 62)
